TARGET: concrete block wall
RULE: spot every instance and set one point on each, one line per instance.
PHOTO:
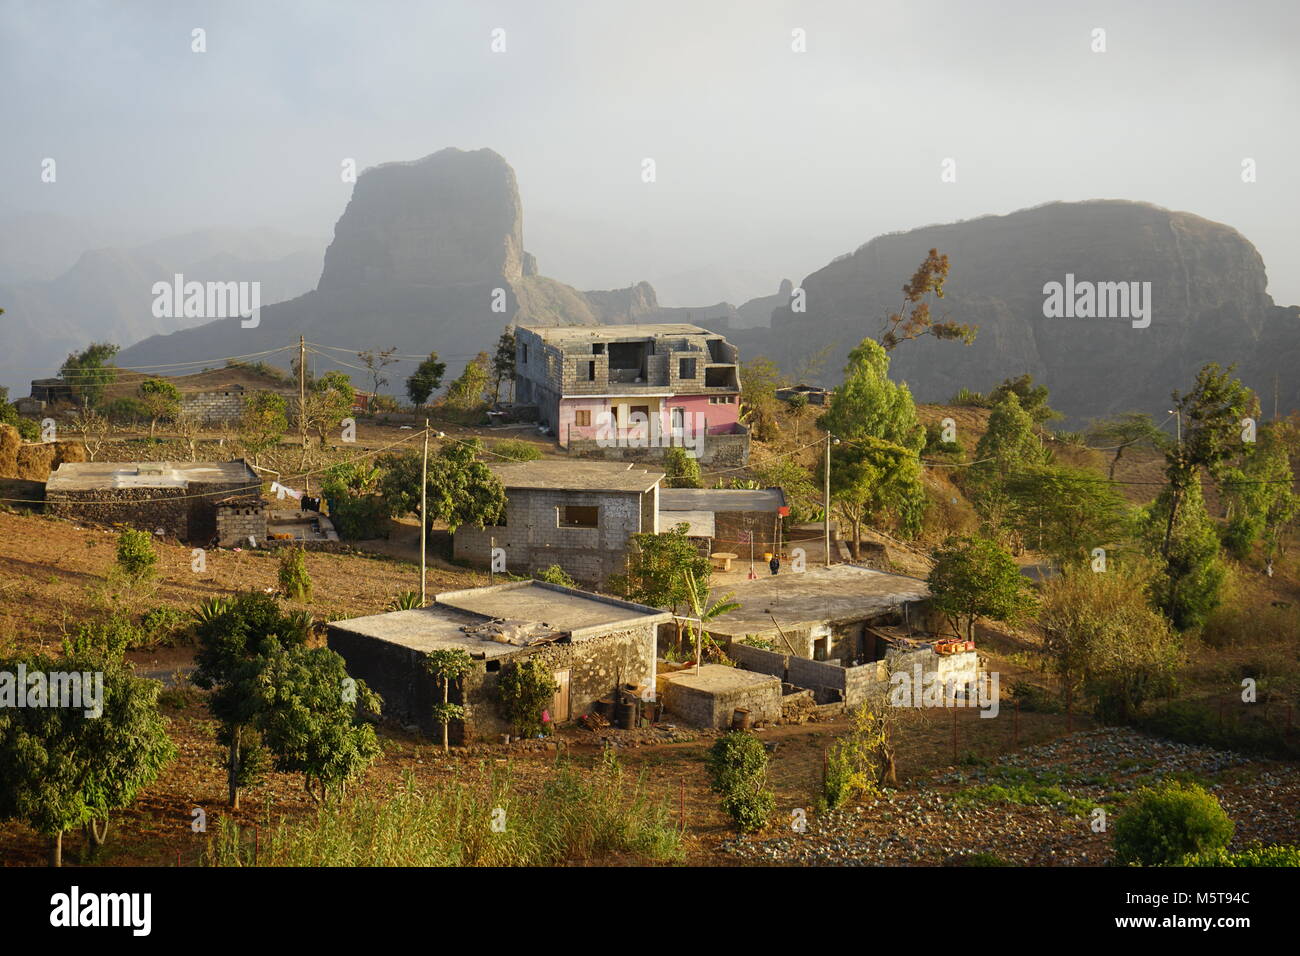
(533, 539)
(239, 521)
(758, 659)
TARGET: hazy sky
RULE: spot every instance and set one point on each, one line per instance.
(769, 162)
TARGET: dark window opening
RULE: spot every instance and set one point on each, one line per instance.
(720, 377)
(579, 516)
(494, 665)
(686, 368)
(525, 354)
(715, 351)
(627, 356)
(598, 348)
(591, 371)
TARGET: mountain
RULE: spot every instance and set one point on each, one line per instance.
(757, 313)
(1207, 290)
(107, 293)
(429, 254)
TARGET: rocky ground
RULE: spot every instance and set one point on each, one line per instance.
(1044, 812)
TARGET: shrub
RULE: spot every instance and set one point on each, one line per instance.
(525, 690)
(1254, 855)
(737, 765)
(556, 575)
(295, 582)
(406, 601)
(109, 636)
(681, 469)
(136, 556)
(1164, 825)
(127, 411)
(967, 397)
(163, 624)
(517, 450)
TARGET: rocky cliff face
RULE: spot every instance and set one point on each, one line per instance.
(1207, 291)
(428, 255)
(454, 216)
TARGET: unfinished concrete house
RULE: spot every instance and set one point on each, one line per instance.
(591, 644)
(738, 519)
(630, 391)
(577, 514)
(178, 498)
(839, 632)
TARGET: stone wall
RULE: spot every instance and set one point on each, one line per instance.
(715, 708)
(596, 665)
(533, 539)
(187, 513)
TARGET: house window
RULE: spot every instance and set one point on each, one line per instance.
(598, 348)
(722, 399)
(679, 419)
(579, 516)
(525, 354)
(686, 368)
(582, 418)
(591, 371)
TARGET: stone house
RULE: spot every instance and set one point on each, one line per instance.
(591, 644)
(839, 631)
(630, 391)
(738, 517)
(577, 514)
(178, 498)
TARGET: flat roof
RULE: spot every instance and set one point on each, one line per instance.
(700, 522)
(576, 475)
(573, 334)
(441, 625)
(566, 609)
(840, 593)
(720, 499)
(717, 678)
(93, 475)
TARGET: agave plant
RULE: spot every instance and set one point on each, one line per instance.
(211, 609)
(406, 601)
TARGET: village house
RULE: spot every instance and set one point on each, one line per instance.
(730, 521)
(630, 391)
(839, 632)
(178, 498)
(577, 514)
(593, 646)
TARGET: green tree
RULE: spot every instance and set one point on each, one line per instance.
(1190, 584)
(913, 319)
(1101, 635)
(1211, 422)
(307, 711)
(89, 372)
(425, 380)
(162, 399)
(658, 568)
(235, 640)
(1033, 398)
(868, 405)
(469, 390)
(503, 363)
(1065, 512)
(1129, 430)
(329, 400)
(1164, 825)
(263, 422)
(681, 469)
(60, 768)
(445, 666)
(1008, 444)
(461, 488)
(759, 380)
(1259, 496)
(975, 577)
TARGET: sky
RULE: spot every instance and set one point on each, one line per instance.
(768, 161)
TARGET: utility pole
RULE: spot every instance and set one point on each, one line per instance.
(424, 518)
(302, 391)
(826, 499)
